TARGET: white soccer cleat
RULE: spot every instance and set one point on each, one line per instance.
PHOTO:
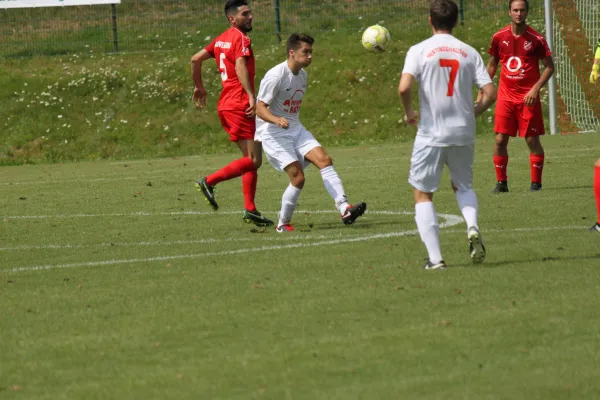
(476, 247)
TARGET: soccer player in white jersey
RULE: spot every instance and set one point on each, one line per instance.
(287, 144)
(446, 70)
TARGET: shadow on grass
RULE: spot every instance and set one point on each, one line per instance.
(526, 261)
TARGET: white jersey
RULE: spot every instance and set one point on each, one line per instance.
(283, 92)
(446, 70)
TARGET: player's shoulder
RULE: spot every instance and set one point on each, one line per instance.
(532, 32)
(277, 71)
(501, 32)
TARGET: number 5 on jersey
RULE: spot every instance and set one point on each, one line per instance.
(222, 67)
(453, 65)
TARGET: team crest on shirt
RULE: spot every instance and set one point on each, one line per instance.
(528, 45)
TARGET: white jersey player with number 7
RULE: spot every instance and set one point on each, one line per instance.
(288, 145)
(446, 70)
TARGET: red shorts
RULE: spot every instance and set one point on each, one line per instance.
(238, 125)
(512, 117)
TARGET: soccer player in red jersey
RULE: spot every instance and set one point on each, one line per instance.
(518, 49)
(594, 79)
(233, 53)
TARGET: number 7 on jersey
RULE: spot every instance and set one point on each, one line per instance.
(453, 65)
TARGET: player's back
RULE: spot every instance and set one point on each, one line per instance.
(446, 69)
(226, 49)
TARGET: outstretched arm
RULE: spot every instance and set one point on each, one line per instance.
(199, 96)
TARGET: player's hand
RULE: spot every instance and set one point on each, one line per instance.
(282, 122)
(531, 96)
(251, 110)
(199, 97)
(594, 74)
(412, 117)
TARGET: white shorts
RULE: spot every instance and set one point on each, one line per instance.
(284, 148)
(427, 163)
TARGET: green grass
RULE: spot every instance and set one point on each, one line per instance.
(145, 293)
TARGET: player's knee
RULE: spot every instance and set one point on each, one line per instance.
(298, 180)
(256, 160)
(325, 161)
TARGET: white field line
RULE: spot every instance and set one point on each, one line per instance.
(175, 213)
(195, 171)
(451, 220)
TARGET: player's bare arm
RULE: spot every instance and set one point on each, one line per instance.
(244, 77)
(405, 92)
(534, 92)
(263, 112)
(492, 67)
(199, 95)
(488, 97)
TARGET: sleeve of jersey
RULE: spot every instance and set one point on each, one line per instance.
(482, 77)
(493, 50)
(544, 50)
(411, 62)
(269, 86)
(241, 47)
(211, 48)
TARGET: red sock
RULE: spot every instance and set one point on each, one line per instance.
(249, 180)
(231, 170)
(597, 189)
(537, 166)
(501, 163)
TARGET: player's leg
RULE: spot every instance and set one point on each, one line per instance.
(289, 200)
(531, 126)
(239, 128)
(505, 126)
(319, 157)
(460, 162)
(426, 167)
(596, 227)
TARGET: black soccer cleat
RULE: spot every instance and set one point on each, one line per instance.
(501, 187)
(256, 218)
(209, 193)
(353, 211)
(439, 265)
(596, 227)
(535, 187)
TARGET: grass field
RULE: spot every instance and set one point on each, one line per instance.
(118, 282)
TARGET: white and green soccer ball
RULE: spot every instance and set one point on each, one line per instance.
(376, 38)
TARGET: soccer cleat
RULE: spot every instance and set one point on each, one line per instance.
(595, 228)
(352, 212)
(284, 228)
(256, 218)
(209, 193)
(535, 187)
(501, 187)
(430, 265)
(476, 247)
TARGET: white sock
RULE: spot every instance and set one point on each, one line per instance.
(467, 202)
(427, 223)
(289, 202)
(334, 187)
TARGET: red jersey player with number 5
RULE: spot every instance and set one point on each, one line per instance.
(233, 53)
(518, 49)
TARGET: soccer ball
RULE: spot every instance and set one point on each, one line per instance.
(376, 38)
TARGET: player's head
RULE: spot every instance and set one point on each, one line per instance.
(443, 15)
(299, 49)
(239, 14)
(518, 10)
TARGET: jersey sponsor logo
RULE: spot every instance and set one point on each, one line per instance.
(223, 45)
(292, 106)
(514, 67)
(528, 45)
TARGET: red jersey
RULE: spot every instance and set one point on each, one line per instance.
(519, 59)
(226, 48)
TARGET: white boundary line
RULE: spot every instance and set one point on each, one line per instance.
(451, 220)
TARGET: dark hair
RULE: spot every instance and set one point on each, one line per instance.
(231, 6)
(295, 39)
(444, 14)
(512, 1)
